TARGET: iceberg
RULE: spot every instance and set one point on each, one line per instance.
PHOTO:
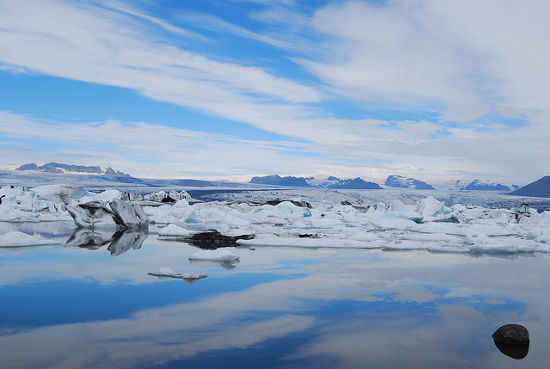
(121, 214)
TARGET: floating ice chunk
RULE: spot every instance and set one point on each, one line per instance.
(429, 206)
(132, 216)
(169, 273)
(174, 230)
(214, 255)
(12, 239)
(104, 196)
(61, 193)
(93, 214)
(96, 214)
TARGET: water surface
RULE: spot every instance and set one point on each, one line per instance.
(68, 306)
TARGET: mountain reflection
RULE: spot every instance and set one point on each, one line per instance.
(118, 241)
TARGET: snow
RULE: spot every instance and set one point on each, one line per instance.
(12, 239)
(222, 254)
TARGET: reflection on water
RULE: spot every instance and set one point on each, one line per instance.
(118, 241)
(228, 265)
(281, 308)
(517, 352)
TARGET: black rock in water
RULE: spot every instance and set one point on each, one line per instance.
(512, 334)
(512, 340)
(212, 240)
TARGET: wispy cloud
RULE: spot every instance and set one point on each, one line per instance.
(453, 61)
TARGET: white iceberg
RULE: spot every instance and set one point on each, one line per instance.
(222, 254)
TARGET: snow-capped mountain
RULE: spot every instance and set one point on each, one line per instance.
(72, 169)
(277, 180)
(484, 185)
(404, 182)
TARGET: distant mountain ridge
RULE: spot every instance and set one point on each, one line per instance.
(72, 168)
(539, 188)
(277, 180)
(404, 182)
(481, 185)
(354, 184)
(331, 182)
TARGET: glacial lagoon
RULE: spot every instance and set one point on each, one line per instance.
(93, 305)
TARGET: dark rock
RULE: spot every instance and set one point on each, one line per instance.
(308, 235)
(212, 240)
(512, 334)
(301, 204)
(168, 200)
(345, 202)
(512, 340)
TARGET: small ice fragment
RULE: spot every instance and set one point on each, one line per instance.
(169, 273)
(214, 255)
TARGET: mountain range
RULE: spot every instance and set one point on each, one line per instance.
(72, 168)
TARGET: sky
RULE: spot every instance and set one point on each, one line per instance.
(228, 89)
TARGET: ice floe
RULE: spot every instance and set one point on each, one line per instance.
(169, 273)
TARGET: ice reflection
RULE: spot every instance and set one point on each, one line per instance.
(118, 241)
(228, 265)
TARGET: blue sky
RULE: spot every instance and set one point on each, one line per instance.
(230, 89)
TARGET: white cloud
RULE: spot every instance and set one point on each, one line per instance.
(96, 45)
(462, 54)
(405, 55)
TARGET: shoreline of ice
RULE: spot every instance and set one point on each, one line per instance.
(420, 223)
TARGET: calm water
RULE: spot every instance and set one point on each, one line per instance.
(96, 307)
